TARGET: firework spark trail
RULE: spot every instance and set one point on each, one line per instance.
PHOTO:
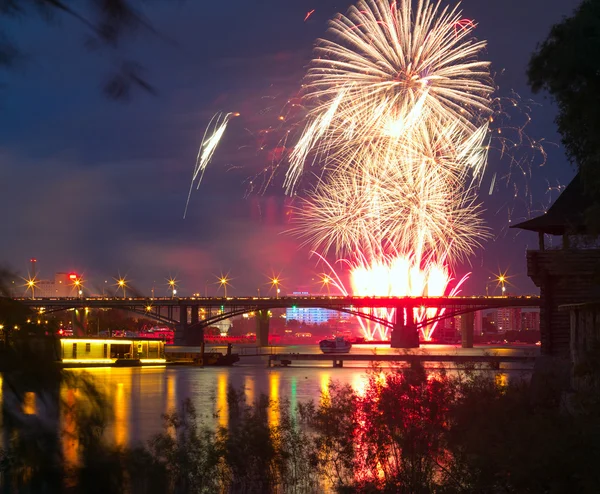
(394, 276)
(392, 65)
(399, 123)
(210, 140)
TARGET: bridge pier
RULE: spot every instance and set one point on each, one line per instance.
(78, 322)
(194, 314)
(262, 327)
(467, 328)
(404, 334)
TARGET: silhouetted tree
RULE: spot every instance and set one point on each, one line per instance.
(567, 66)
(107, 22)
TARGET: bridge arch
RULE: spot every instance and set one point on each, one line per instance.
(148, 314)
(205, 323)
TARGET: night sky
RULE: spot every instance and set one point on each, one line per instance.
(99, 187)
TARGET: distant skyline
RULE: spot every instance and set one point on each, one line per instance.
(99, 187)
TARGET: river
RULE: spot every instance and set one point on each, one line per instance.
(141, 395)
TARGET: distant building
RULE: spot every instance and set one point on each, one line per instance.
(61, 286)
(489, 322)
(508, 319)
(312, 315)
(530, 320)
(446, 330)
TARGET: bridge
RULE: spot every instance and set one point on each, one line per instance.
(192, 315)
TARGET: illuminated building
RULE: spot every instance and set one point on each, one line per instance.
(530, 320)
(508, 319)
(61, 286)
(82, 351)
(312, 315)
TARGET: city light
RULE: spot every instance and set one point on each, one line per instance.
(172, 282)
(275, 283)
(31, 284)
(121, 284)
(76, 283)
(326, 281)
(223, 281)
(502, 281)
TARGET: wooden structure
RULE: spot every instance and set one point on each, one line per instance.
(585, 330)
(566, 275)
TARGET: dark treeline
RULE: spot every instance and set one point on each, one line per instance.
(408, 431)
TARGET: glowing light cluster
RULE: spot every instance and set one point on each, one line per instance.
(398, 130)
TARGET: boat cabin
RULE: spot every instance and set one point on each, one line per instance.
(109, 351)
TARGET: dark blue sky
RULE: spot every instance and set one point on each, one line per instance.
(99, 187)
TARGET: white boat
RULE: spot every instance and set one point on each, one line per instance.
(337, 345)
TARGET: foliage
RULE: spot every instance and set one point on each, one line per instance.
(567, 66)
(406, 431)
(107, 23)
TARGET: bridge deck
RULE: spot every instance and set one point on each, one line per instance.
(338, 359)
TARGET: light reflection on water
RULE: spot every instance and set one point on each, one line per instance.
(140, 396)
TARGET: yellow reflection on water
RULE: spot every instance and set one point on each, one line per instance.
(273, 414)
(222, 408)
(121, 410)
(359, 384)
(29, 406)
(171, 393)
(501, 379)
(70, 443)
(249, 388)
(325, 378)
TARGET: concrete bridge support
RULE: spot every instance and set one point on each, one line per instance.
(262, 327)
(467, 328)
(405, 333)
(79, 322)
(181, 336)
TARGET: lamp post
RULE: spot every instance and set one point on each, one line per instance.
(502, 280)
(326, 280)
(224, 281)
(275, 283)
(173, 286)
(122, 283)
(78, 285)
(31, 285)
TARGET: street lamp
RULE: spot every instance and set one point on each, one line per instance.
(326, 280)
(122, 283)
(173, 286)
(78, 285)
(224, 282)
(275, 283)
(502, 280)
(31, 284)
